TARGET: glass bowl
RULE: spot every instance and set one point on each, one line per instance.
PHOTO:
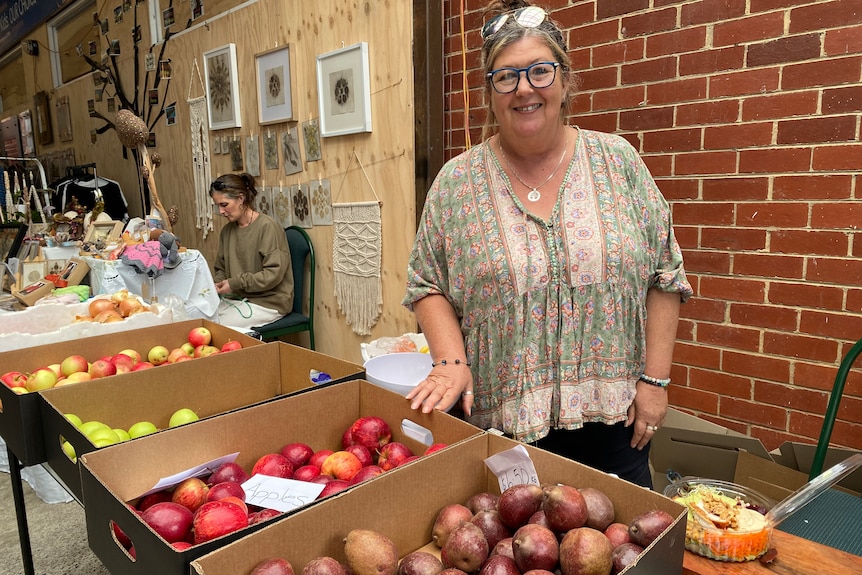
(726, 521)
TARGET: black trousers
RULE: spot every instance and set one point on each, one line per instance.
(603, 447)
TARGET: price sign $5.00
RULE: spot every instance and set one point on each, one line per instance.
(512, 467)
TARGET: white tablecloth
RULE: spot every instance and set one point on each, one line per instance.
(191, 281)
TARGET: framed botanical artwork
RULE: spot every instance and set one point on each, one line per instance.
(275, 85)
(344, 91)
(222, 84)
(104, 231)
(11, 237)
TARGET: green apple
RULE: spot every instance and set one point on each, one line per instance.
(102, 437)
(90, 427)
(69, 451)
(182, 416)
(142, 428)
(122, 434)
(74, 419)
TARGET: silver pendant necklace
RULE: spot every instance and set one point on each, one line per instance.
(534, 195)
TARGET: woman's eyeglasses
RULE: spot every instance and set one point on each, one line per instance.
(529, 17)
(218, 186)
(539, 75)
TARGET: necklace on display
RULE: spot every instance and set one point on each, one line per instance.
(534, 194)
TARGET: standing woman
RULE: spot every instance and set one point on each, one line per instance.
(545, 273)
(253, 273)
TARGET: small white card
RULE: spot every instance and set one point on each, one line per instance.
(513, 467)
(198, 471)
(279, 493)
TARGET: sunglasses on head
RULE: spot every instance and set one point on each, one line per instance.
(529, 17)
(218, 186)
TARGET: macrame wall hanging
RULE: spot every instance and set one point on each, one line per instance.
(356, 251)
(200, 156)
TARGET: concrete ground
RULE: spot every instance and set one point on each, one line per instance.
(58, 536)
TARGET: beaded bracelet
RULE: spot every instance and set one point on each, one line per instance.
(654, 381)
(456, 362)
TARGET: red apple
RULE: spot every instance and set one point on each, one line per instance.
(319, 457)
(216, 518)
(333, 487)
(181, 545)
(121, 537)
(231, 345)
(124, 360)
(102, 368)
(341, 465)
(371, 431)
(306, 473)
(435, 447)
(228, 471)
(362, 454)
(13, 379)
(273, 465)
(42, 378)
(297, 453)
(183, 358)
(409, 460)
(190, 493)
(322, 479)
(175, 354)
(74, 364)
(618, 533)
(238, 501)
(170, 520)
(225, 489)
(366, 473)
(142, 365)
(200, 336)
(132, 353)
(262, 515)
(148, 501)
(392, 455)
(346, 439)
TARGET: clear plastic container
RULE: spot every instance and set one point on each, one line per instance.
(735, 541)
(706, 532)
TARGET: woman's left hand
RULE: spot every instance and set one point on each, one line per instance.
(647, 413)
(442, 388)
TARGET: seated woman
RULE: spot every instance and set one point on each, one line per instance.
(253, 273)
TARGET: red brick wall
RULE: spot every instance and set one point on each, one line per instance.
(748, 114)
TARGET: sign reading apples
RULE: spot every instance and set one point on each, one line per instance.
(279, 493)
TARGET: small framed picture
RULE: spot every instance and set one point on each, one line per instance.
(150, 62)
(112, 105)
(151, 140)
(153, 97)
(165, 69)
(171, 115)
(344, 91)
(168, 17)
(106, 231)
(275, 85)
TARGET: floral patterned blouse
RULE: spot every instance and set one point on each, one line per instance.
(553, 312)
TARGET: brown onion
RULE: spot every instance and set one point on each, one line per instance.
(108, 316)
(129, 306)
(100, 305)
(120, 295)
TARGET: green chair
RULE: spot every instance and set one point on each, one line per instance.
(301, 252)
(832, 409)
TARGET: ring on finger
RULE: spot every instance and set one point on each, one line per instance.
(467, 392)
(652, 428)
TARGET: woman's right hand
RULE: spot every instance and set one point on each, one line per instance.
(442, 389)
(222, 287)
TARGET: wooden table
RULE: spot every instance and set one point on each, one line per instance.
(796, 556)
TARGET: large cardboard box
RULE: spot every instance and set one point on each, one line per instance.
(227, 381)
(691, 446)
(20, 416)
(404, 506)
(117, 475)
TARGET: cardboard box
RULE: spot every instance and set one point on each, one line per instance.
(800, 456)
(30, 294)
(20, 416)
(405, 506)
(227, 381)
(116, 475)
(691, 446)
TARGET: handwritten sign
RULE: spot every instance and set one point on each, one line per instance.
(278, 493)
(512, 467)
